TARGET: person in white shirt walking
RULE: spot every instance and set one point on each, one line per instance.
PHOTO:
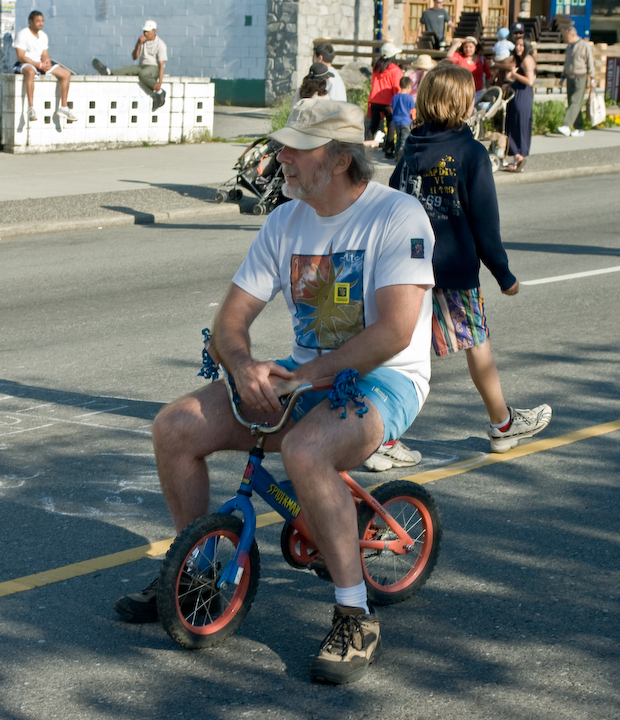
(336, 90)
(31, 45)
(151, 53)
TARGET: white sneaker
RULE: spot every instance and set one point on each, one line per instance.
(577, 133)
(389, 456)
(524, 424)
(564, 130)
(31, 114)
(66, 113)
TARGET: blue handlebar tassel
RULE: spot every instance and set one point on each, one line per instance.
(344, 390)
(209, 368)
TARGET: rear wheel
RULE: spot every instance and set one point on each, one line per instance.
(495, 162)
(235, 194)
(192, 609)
(390, 577)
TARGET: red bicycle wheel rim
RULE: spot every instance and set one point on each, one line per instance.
(236, 601)
(422, 559)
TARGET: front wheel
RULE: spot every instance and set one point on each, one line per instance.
(192, 609)
(390, 577)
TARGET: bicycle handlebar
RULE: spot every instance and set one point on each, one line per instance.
(288, 402)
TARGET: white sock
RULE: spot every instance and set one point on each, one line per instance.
(356, 596)
(108, 71)
(499, 425)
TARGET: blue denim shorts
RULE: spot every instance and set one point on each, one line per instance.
(394, 396)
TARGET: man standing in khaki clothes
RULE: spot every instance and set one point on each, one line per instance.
(151, 53)
(578, 66)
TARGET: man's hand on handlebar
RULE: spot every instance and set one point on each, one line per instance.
(260, 384)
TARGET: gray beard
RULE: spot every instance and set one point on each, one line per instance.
(311, 189)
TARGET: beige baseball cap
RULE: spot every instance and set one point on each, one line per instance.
(314, 122)
(149, 25)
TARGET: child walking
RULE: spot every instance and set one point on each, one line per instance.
(403, 105)
(450, 173)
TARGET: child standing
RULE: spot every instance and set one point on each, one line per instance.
(403, 105)
(450, 173)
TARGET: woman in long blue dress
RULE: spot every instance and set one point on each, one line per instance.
(521, 107)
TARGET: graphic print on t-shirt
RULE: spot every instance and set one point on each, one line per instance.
(328, 294)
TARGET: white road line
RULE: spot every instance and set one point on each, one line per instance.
(98, 412)
(14, 432)
(572, 276)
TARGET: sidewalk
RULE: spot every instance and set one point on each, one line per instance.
(103, 188)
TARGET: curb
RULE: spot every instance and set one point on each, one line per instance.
(92, 223)
(503, 178)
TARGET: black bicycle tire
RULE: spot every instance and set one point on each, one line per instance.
(173, 570)
(431, 520)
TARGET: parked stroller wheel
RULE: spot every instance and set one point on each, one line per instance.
(495, 162)
(219, 197)
(259, 209)
(235, 194)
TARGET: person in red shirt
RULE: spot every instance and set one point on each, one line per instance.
(385, 83)
(467, 56)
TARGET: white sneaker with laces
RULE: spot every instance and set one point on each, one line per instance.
(564, 130)
(524, 424)
(66, 113)
(32, 115)
(577, 133)
(389, 456)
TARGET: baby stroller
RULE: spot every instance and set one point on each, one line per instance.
(492, 105)
(259, 173)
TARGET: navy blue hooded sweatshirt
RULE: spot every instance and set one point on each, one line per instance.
(450, 174)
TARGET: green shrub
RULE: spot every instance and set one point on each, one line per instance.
(282, 110)
(548, 116)
(359, 96)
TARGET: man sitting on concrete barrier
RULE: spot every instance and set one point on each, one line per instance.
(31, 45)
(353, 260)
(151, 54)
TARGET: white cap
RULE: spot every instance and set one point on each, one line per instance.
(149, 25)
(389, 50)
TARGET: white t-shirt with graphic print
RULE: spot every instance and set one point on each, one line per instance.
(329, 268)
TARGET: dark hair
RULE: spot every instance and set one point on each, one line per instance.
(527, 50)
(326, 51)
(361, 168)
(405, 82)
(34, 14)
(383, 64)
(311, 86)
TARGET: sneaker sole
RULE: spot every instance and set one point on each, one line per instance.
(324, 671)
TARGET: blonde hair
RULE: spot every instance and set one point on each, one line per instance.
(445, 96)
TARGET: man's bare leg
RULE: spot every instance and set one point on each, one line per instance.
(314, 452)
(29, 72)
(184, 434)
(64, 80)
(485, 375)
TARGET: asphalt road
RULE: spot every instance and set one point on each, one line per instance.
(520, 619)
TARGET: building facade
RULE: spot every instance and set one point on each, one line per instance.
(255, 50)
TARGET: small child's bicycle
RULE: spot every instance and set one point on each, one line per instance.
(209, 576)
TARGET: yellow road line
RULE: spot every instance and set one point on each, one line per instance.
(153, 549)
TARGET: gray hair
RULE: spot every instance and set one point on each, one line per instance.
(361, 168)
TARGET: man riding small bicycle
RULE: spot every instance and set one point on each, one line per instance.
(353, 261)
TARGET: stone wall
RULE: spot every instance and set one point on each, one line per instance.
(293, 25)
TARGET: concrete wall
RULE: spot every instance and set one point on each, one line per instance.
(111, 112)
